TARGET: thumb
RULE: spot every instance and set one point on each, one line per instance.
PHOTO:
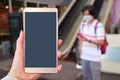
(20, 41)
(19, 53)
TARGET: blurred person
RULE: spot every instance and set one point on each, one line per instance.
(89, 43)
(17, 70)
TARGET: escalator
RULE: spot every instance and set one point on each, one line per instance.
(100, 9)
(72, 15)
(98, 5)
(74, 51)
(70, 25)
(66, 24)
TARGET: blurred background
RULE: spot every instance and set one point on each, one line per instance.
(70, 18)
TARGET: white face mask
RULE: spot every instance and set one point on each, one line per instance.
(87, 18)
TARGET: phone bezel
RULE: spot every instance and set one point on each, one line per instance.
(39, 69)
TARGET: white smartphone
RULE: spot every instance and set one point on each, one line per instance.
(41, 31)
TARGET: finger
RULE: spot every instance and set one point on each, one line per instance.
(59, 54)
(59, 68)
(59, 42)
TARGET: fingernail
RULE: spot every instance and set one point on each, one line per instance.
(20, 33)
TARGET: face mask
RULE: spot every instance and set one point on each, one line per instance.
(87, 18)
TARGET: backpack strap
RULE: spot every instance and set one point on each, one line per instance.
(83, 26)
(95, 28)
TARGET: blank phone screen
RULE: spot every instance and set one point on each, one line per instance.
(40, 39)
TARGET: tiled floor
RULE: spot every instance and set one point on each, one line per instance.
(106, 76)
(3, 73)
(69, 72)
(5, 64)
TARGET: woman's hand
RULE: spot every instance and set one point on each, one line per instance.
(17, 69)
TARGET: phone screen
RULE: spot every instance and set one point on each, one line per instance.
(40, 39)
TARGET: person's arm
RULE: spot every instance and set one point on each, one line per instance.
(80, 46)
(80, 39)
(97, 42)
(17, 70)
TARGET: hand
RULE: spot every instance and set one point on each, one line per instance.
(17, 69)
(81, 37)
